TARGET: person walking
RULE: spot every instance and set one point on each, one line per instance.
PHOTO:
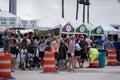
(61, 56)
(55, 47)
(117, 47)
(83, 51)
(71, 49)
(77, 52)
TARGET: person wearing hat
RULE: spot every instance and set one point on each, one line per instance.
(83, 51)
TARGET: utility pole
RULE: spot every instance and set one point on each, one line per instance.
(88, 3)
(83, 13)
(88, 14)
(62, 8)
(77, 8)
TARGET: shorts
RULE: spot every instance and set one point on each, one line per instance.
(77, 53)
(31, 56)
(22, 59)
(41, 54)
(69, 54)
(62, 61)
(56, 56)
(83, 56)
(13, 55)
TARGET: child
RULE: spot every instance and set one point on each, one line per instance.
(22, 58)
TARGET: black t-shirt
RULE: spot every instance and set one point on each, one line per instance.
(31, 49)
(82, 45)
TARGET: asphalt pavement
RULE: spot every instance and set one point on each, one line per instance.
(106, 73)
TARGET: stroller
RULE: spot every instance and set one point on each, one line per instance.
(36, 60)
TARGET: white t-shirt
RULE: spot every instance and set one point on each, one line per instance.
(77, 47)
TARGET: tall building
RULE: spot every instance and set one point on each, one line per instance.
(13, 6)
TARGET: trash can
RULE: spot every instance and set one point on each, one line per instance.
(102, 54)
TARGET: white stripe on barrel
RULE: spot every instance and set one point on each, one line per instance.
(5, 62)
(49, 58)
(5, 70)
(49, 65)
(111, 55)
(111, 60)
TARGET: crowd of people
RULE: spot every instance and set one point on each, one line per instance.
(68, 51)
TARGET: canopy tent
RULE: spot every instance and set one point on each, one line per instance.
(84, 28)
(97, 31)
(107, 28)
(89, 29)
(7, 19)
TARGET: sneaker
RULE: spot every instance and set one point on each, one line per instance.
(23, 69)
(26, 66)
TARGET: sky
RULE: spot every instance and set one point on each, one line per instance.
(48, 11)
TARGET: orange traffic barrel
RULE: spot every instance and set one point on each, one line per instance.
(111, 58)
(5, 65)
(95, 64)
(49, 62)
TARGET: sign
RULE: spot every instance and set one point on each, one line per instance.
(82, 29)
(68, 28)
(98, 30)
(8, 22)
